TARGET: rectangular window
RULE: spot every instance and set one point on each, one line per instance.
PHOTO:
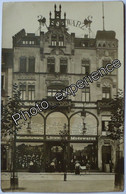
(23, 92)
(106, 93)
(51, 92)
(63, 65)
(31, 65)
(85, 66)
(86, 94)
(105, 124)
(51, 65)
(31, 92)
(22, 64)
(61, 40)
(54, 40)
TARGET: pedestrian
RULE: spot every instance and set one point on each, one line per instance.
(77, 167)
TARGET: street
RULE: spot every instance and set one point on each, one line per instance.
(54, 182)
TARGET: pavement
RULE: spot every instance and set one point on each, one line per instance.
(54, 182)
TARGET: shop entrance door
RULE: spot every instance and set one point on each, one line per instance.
(106, 156)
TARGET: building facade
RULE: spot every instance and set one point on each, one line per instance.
(77, 128)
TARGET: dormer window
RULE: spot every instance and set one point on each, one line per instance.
(54, 40)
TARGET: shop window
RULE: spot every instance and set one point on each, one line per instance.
(31, 65)
(54, 40)
(22, 64)
(85, 66)
(23, 92)
(86, 94)
(51, 65)
(63, 65)
(31, 92)
(106, 93)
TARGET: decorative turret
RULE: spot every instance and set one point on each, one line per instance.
(57, 21)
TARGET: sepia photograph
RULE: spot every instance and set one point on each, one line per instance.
(62, 97)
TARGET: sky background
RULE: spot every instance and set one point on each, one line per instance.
(19, 15)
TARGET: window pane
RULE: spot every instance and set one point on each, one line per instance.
(83, 96)
(63, 65)
(51, 65)
(23, 92)
(85, 66)
(83, 70)
(106, 92)
(54, 40)
(87, 97)
(31, 92)
(86, 94)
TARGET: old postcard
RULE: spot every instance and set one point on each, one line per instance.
(62, 83)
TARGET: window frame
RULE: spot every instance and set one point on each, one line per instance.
(32, 64)
(22, 92)
(50, 64)
(31, 92)
(64, 63)
(85, 63)
(85, 91)
(104, 92)
(24, 69)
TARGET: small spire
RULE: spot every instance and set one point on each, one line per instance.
(60, 7)
(65, 15)
(103, 16)
(50, 14)
(55, 7)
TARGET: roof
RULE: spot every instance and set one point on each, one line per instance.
(105, 34)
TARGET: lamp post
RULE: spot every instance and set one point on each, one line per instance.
(64, 138)
(14, 177)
